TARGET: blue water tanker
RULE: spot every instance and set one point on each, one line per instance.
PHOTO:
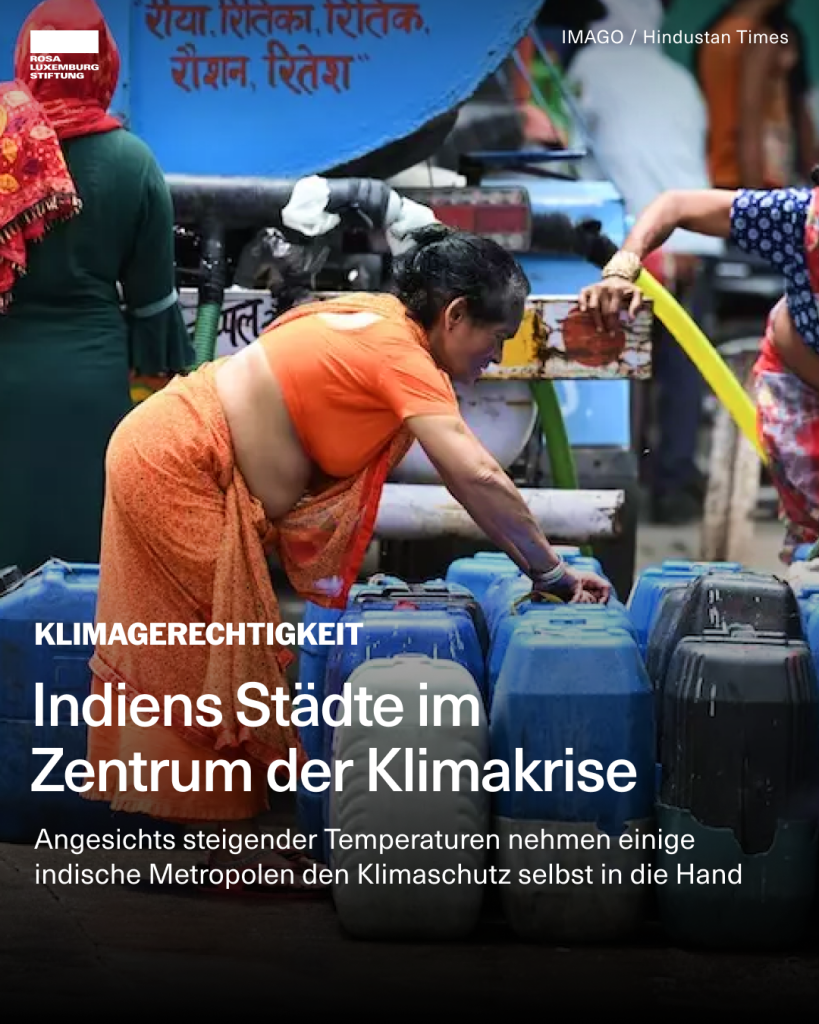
(59, 593)
(500, 597)
(345, 94)
(577, 697)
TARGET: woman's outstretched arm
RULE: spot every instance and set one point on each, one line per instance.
(706, 211)
(478, 482)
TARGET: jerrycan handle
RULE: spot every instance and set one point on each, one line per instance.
(434, 588)
(556, 620)
(740, 627)
(744, 633)
(534, 598)
(392, 589)
(384, 593)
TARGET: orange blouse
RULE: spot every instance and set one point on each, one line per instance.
(349, 390)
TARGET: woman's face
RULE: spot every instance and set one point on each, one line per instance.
(465, 347)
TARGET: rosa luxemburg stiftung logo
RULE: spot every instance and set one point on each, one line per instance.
(54, 52)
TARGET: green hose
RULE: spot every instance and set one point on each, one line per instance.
(561, 460)
(206, 331)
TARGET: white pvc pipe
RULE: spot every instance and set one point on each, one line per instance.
(424, 511)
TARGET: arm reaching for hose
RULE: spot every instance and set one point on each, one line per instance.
(478, 482)
(706, 211)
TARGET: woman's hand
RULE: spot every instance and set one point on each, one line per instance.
(594, 587)
(576, 587)
(607, 298)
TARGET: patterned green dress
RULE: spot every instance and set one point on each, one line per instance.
(67, 346)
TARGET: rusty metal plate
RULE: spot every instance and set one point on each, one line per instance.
(554, 342)
(558, 342)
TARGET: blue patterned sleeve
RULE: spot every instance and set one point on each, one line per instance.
(771, 224)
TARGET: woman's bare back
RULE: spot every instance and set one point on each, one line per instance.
(269, 454)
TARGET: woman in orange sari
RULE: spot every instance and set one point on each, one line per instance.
(286, 446)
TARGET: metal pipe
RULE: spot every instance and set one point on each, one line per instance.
(255, 202)
(367, 196)
(235, 202)
(422, 511)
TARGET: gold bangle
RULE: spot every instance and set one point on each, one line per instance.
(624, 264)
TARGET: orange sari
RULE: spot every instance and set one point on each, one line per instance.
(183, 540)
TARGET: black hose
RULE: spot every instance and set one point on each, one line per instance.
(238, 203)
(366, 196)
(234, 202)
(556, 234)
(213, 269)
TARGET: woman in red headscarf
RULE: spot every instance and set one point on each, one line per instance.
(90, 303)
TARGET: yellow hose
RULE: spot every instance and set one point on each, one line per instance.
(704, 356)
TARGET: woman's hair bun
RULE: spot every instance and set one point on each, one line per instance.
(429, 234)
(814, 175)
(428, 277)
